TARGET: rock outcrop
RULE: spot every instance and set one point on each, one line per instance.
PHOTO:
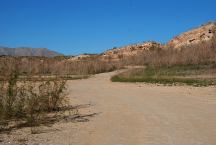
(129, 50)
(195, 36)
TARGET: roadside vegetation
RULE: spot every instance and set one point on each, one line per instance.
(57, 66)
(196, 75)
(29, 103)
(191, 65)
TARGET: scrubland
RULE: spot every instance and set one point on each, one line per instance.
(192, 65)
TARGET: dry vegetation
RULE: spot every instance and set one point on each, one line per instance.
(190, 75)
(53, 66)
(201, 53)
(33, 89)
(189, 65)
(29, 103)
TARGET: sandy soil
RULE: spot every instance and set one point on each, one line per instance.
(131, 114)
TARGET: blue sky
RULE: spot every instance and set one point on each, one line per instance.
(92, 26)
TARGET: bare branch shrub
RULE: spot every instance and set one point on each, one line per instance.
(30, 101)
(53, 93)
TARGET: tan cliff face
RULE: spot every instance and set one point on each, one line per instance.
(130, 50)
(195, 36)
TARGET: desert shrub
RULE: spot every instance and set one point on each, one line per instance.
(30, 101)
(32, 106)
(8, 95)
(53, 93)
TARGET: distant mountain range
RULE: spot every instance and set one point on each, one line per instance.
(25, 51)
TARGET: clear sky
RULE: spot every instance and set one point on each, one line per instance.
(92, 26)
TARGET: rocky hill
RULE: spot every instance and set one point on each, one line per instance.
(194, 36)
(23, 51)
(129, 50)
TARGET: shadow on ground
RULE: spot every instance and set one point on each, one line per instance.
(63, 114)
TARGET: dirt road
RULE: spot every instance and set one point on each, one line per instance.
(137, 114)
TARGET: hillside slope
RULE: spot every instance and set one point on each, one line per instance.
(194, 36)
(24, 51)
(129, 50)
